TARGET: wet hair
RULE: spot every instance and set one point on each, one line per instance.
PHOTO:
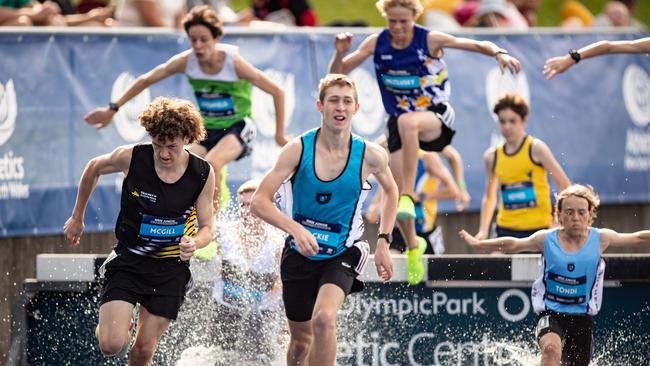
(205, 16)
(514, 102)
(413, 5)
(166, 119)
(248, 186)
(579, 190)
(339, 80)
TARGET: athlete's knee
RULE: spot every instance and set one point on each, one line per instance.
(407, 122)
(141, 354)
(217, 164)
(552, 352)
(111, 344)
(299, 348)
(323, 322)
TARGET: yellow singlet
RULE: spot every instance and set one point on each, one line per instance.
(525, 202)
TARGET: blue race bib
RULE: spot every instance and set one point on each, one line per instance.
(518, 195)
(161, 230)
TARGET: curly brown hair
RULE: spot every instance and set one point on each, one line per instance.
(165, 119)
(205, 16)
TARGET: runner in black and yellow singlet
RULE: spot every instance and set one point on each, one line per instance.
(166, 213)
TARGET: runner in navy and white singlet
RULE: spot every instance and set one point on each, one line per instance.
(415, 89)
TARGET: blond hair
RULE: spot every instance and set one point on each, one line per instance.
(248, 186)
(413, 5)
(578, 190)
(340, 80)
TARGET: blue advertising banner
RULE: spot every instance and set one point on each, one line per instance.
(595, 118)
(386, 324)
(398, 324)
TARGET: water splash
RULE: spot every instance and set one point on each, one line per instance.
(61, 331)
(208, 333)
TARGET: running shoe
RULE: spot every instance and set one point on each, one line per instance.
(207, 252)
(132, 328)
(405, 208)
(414, 263)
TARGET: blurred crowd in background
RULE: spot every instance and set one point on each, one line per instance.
(448, 15)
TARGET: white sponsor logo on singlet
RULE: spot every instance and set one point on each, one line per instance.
(126, 119)
(371, 115)
(8, 107)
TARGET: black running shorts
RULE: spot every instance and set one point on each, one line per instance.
(302, 278)
(244, 130)
(575, 330)
(445, 114)
(160, 305)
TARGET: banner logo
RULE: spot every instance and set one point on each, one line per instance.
(636, 94)
(266, 151)
(371, 115)
(497, 84)
(264, 108)
(126, 119)
(8, 107)
(501, 305)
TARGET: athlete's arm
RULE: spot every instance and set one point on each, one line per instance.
(489, 200)
(117, 161)
(256, 77)
(263, 202)
(205, 218)
(507, 244)
(376, 160)
(438, 40)
(557, 65)
(543, 155)
(101, 117)
(434, 167)
(342, 64)
(610, 237)
(456, 162)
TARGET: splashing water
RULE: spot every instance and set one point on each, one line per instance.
(209, 333)
(61, 324)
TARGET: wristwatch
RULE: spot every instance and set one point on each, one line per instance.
(386, 236)
(575, 55)
(113, 106)
(501, 51)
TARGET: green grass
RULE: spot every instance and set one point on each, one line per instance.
(549, 14)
